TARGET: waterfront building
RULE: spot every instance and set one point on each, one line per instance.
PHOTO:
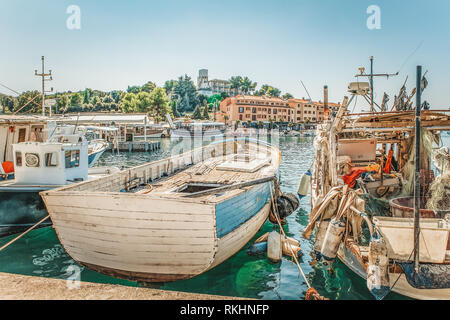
(246, 108)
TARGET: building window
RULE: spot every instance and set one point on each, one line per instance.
(51, 159)
(241, 109)
(72, 158)
(275, 111)
(253, 110)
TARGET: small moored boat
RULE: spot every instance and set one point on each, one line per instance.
(170, 219)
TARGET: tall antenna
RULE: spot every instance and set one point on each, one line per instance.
(44, 78)
(371, 75)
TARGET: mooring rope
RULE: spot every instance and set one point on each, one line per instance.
(21, 235)
(311, 293)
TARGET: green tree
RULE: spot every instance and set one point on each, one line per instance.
(62, 103)
(268, 90)
(29, 102)
(197, 114)
(247, 85)
(205, 112)
(129, 103)
(7, 103)
(159, 104)
(185, 89)
(287, 96)
(236, 82)
(148, 87)
(75, 99)
(173, 105)
(133, 89)
(169, 86)
(143, 103)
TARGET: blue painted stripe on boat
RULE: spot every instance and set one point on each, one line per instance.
(234, 212)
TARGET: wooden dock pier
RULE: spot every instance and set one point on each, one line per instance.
(20, 287)
(139, 146)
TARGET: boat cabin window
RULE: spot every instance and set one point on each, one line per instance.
(72, 158)
(32, 160)
(196, 187)
(51, 159)
(18, 158)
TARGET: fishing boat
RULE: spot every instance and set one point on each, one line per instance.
(170, 219)
(39, 166)
(199, 130)
(377, 206)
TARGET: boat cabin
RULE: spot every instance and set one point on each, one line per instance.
(62, 159)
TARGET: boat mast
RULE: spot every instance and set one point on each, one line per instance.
(370, 76)
(371, 84)
(417, 171)
(44, 75)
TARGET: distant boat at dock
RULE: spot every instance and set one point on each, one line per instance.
(170, 219)
(38, 166)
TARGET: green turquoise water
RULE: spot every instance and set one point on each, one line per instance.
(39, 253)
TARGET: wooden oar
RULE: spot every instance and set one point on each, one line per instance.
(230, 187)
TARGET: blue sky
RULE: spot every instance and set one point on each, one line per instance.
(278, 42)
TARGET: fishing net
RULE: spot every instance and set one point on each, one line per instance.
(409, 168)
(376, 206)
(440, 188)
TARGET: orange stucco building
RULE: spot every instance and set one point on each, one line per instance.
(246, 108)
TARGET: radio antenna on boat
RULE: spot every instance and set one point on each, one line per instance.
(370, 76)
(45, 77)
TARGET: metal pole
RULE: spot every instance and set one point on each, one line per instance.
(371, 84)
(417, 172)
(43, 88)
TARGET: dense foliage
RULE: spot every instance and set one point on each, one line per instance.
(177, 97)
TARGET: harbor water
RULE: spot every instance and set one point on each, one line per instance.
(39, 253)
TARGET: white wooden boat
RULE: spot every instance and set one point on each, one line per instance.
(184, 221)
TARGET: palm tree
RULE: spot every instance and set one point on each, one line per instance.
(236, 82)
(236, 124)
(247, 85)
(225, 119)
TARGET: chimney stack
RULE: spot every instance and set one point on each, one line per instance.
(325, 97)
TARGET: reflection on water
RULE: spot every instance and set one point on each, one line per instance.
(40, 253)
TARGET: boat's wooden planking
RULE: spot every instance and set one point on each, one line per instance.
(232, 213)
(176, 238)
(239, 237)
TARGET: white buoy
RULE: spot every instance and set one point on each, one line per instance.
(320, 236)
(332, 240)
(378, 269)
(274, 247)
(305, 182)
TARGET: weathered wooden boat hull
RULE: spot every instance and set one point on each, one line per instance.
(154, 238)
(401, 284)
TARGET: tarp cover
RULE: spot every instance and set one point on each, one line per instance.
(430, 276)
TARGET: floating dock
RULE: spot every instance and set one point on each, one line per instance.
(139, 146)
(20, 287)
